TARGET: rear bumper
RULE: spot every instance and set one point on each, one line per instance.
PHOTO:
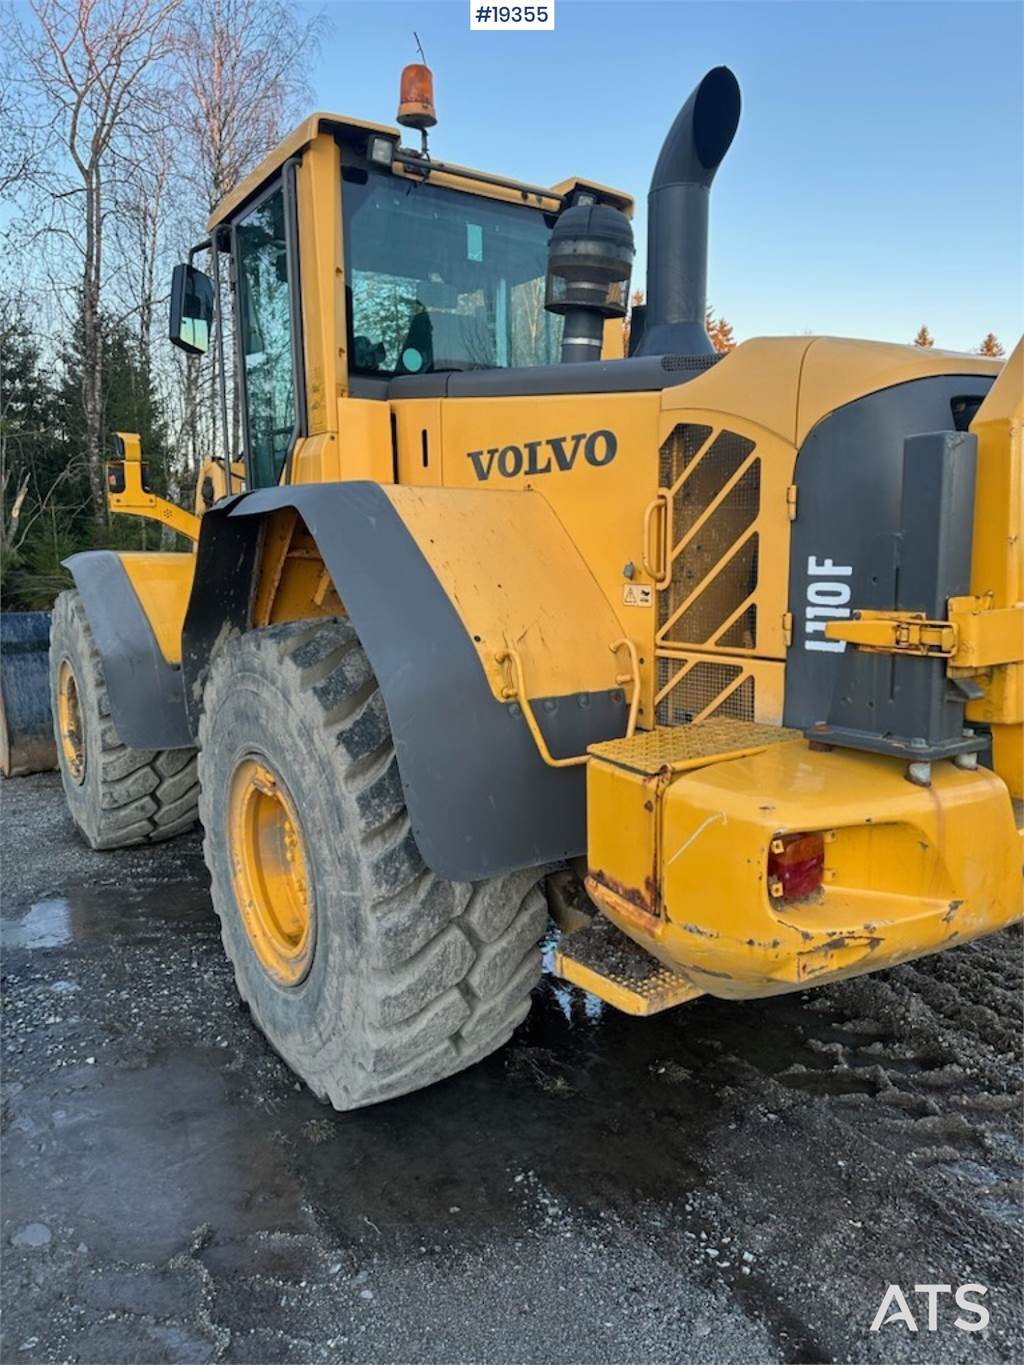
(908, 870)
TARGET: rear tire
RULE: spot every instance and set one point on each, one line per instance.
(117, 795)
(400, 977)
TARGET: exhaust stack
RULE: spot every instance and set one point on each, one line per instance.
(677, 218)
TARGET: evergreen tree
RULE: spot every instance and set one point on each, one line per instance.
(35, 482)
(991, 345)
(42, 429)
(924, 338)
(720, 332)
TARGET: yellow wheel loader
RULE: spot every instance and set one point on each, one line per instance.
(726, 651)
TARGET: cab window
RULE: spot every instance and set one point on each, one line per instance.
(265, 324)
(443, 280)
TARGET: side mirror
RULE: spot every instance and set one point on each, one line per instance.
(191, 309)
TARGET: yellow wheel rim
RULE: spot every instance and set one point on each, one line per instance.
(269, 872)
(69, 721)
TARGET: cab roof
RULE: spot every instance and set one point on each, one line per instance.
(309, 129)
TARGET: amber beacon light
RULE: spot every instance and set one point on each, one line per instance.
(416, 97)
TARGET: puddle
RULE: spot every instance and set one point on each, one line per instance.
(94, 913)
(46, 925)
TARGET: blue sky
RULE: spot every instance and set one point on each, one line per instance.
(877, 179)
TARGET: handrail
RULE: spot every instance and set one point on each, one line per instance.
(662, 572)
(516, 691)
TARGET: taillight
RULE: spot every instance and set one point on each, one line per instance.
(796, 864)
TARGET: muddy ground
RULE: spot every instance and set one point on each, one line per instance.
(725, 1182)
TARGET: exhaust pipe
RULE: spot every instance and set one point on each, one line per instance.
(677, 218)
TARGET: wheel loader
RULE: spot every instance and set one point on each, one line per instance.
(720, 659)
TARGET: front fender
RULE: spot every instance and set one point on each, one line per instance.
(135, 604)
(481, 800)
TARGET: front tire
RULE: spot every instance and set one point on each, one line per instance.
(369, 974)
(117, 795)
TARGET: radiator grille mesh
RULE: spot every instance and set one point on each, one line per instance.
(679, 450)
(694, 691)
(715, 553)
(713, 479)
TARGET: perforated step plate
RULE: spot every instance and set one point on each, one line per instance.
(678, 747)
(602, 960)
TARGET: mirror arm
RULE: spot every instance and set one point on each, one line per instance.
(194, 251)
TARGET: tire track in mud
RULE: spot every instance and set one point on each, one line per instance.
(728, 1181)
(926, 1058)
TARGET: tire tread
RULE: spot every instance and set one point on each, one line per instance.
(145, 796)
(447, 968)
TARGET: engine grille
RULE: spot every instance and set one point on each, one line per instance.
(713, 481)
(694, 689)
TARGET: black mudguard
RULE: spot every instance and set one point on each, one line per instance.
(147, 697)
(481, 800)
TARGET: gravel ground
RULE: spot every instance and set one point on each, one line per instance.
(725, 1182)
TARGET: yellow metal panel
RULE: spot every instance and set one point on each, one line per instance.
(600, 506)
(364, 440)
(986, 635)
(314, 459)
(1008, 756)
(360, 448)
(296, 140)
(619, 198)
(908, 870)
(323, 300)
(613, 345)
(623, 829)
(997, 561)
(162, 583)
(837, 370)
(788, 384)
(418, 440)
(760, 379)
(517, 582)
(215, 481)
(626, 780)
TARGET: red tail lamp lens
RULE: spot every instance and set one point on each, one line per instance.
(796, 864)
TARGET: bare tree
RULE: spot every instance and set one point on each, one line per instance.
(94, 63)
(241, 66)
(19, 142)
(241, 77)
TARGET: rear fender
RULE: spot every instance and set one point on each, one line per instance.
(135, 604)
(437, 582)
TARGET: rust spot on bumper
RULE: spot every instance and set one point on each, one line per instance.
(645, 900)
(628, 901)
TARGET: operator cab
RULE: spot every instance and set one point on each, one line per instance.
(445, 272)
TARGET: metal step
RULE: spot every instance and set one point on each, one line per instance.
(678, 748)
(602, 960)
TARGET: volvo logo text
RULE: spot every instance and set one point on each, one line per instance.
(556, 453)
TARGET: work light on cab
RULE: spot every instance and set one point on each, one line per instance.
(796, 865)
